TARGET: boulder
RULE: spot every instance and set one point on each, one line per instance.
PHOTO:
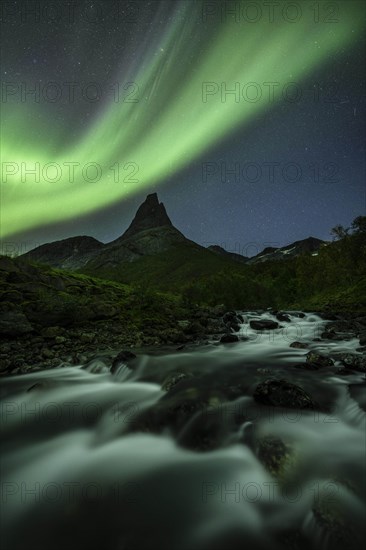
(280, 393)
(283, 317)
(229, 339)
(263, 324)
(318, 359)
(352, 361)
(173, 379)
(299, 345)
(275, 455)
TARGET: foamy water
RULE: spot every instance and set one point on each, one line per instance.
(76, 476)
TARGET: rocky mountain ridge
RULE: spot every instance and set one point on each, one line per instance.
(150, 233)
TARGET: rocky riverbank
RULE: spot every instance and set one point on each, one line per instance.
(50, 318)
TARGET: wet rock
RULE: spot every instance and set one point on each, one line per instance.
(229, 317)
(299, 345)
(283, 317)
(328, 316)
(275, 455)
(338, 527)
(280, 393)
(264, 324)
(318, 359)
(351, 361)
(123, 357)
(229, 339)
(232, 321)
(298, 314)
(337, 336)
(174, 379)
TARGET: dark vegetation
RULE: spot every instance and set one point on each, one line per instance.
(335, 278)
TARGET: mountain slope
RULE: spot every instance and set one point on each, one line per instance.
(309, 245)
(69, 253)
(231, 255)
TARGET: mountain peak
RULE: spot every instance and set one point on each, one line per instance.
(149, 215)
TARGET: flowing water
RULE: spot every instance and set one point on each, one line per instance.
(81, 470)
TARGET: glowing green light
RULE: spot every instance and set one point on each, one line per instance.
(173, 126)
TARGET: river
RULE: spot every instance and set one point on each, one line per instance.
(94, 460)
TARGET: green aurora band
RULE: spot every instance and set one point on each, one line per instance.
(171, 124)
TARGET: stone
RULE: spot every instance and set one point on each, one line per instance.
(318, 359)
(263, 324)
(351, 361)
(283, 317)
(229, 339)
(299, 345)
(280, 393)
(174, 379)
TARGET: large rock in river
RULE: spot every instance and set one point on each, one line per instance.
(263, 324)
(280, 393)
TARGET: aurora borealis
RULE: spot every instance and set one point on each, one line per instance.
(167, 98)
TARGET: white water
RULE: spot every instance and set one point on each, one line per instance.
(74, 477)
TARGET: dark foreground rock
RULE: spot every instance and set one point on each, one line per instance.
(264, 324)
(318, 360)
(280, 393)
(229, 338)
(351, 361)
(299, 345)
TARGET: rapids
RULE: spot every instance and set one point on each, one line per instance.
(79, 472)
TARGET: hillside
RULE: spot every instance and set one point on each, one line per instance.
(155, 255)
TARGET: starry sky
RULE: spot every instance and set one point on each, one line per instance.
(247, 119)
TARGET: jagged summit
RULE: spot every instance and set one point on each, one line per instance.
(149, 215)
(150, 233)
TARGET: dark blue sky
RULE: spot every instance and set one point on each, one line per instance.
(323, 140)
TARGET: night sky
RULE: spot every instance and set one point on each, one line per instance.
(141, 86)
